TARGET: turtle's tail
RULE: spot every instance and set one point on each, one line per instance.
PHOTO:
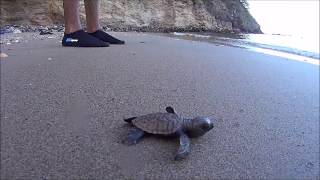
(129, 120)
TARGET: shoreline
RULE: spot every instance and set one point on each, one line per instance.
(186, 33)
(57, 32)
(242, 41)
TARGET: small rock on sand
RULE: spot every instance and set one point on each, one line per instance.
(17, 31)
(3, 55)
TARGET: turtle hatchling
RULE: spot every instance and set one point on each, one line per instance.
(168, 124)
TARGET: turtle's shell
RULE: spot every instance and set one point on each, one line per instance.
(158, 123)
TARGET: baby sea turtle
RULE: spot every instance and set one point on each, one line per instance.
(168, 124)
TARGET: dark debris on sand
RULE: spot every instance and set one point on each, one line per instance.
(29, 28)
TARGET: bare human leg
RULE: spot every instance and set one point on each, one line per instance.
(71, 16)
(74, 35)
(93, 27)
(92, 15)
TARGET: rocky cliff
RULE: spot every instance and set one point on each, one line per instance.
(144, 15)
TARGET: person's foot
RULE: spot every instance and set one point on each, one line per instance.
(106, 37)
(82, 39)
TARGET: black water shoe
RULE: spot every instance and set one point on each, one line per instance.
(82, 39)
(106, 37)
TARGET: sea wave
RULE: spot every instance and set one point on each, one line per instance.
(282, 43)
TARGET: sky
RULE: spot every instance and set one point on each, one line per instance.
(288, 17)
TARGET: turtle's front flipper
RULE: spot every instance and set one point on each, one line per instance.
(184, 148)
(129, 120)
(134, 136)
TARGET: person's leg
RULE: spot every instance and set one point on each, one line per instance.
(71, 16)
(93, 27)
(74, 35)
(92, 15)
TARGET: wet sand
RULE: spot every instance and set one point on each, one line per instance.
(62, 110)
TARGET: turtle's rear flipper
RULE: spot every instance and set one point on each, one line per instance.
(184, 148)
(134, 136)
(129, 120)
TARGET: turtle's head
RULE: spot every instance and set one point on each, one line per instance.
(199, 126)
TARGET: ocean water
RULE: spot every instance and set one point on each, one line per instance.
(275, 44)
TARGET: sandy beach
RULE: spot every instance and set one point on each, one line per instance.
(62, 110)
